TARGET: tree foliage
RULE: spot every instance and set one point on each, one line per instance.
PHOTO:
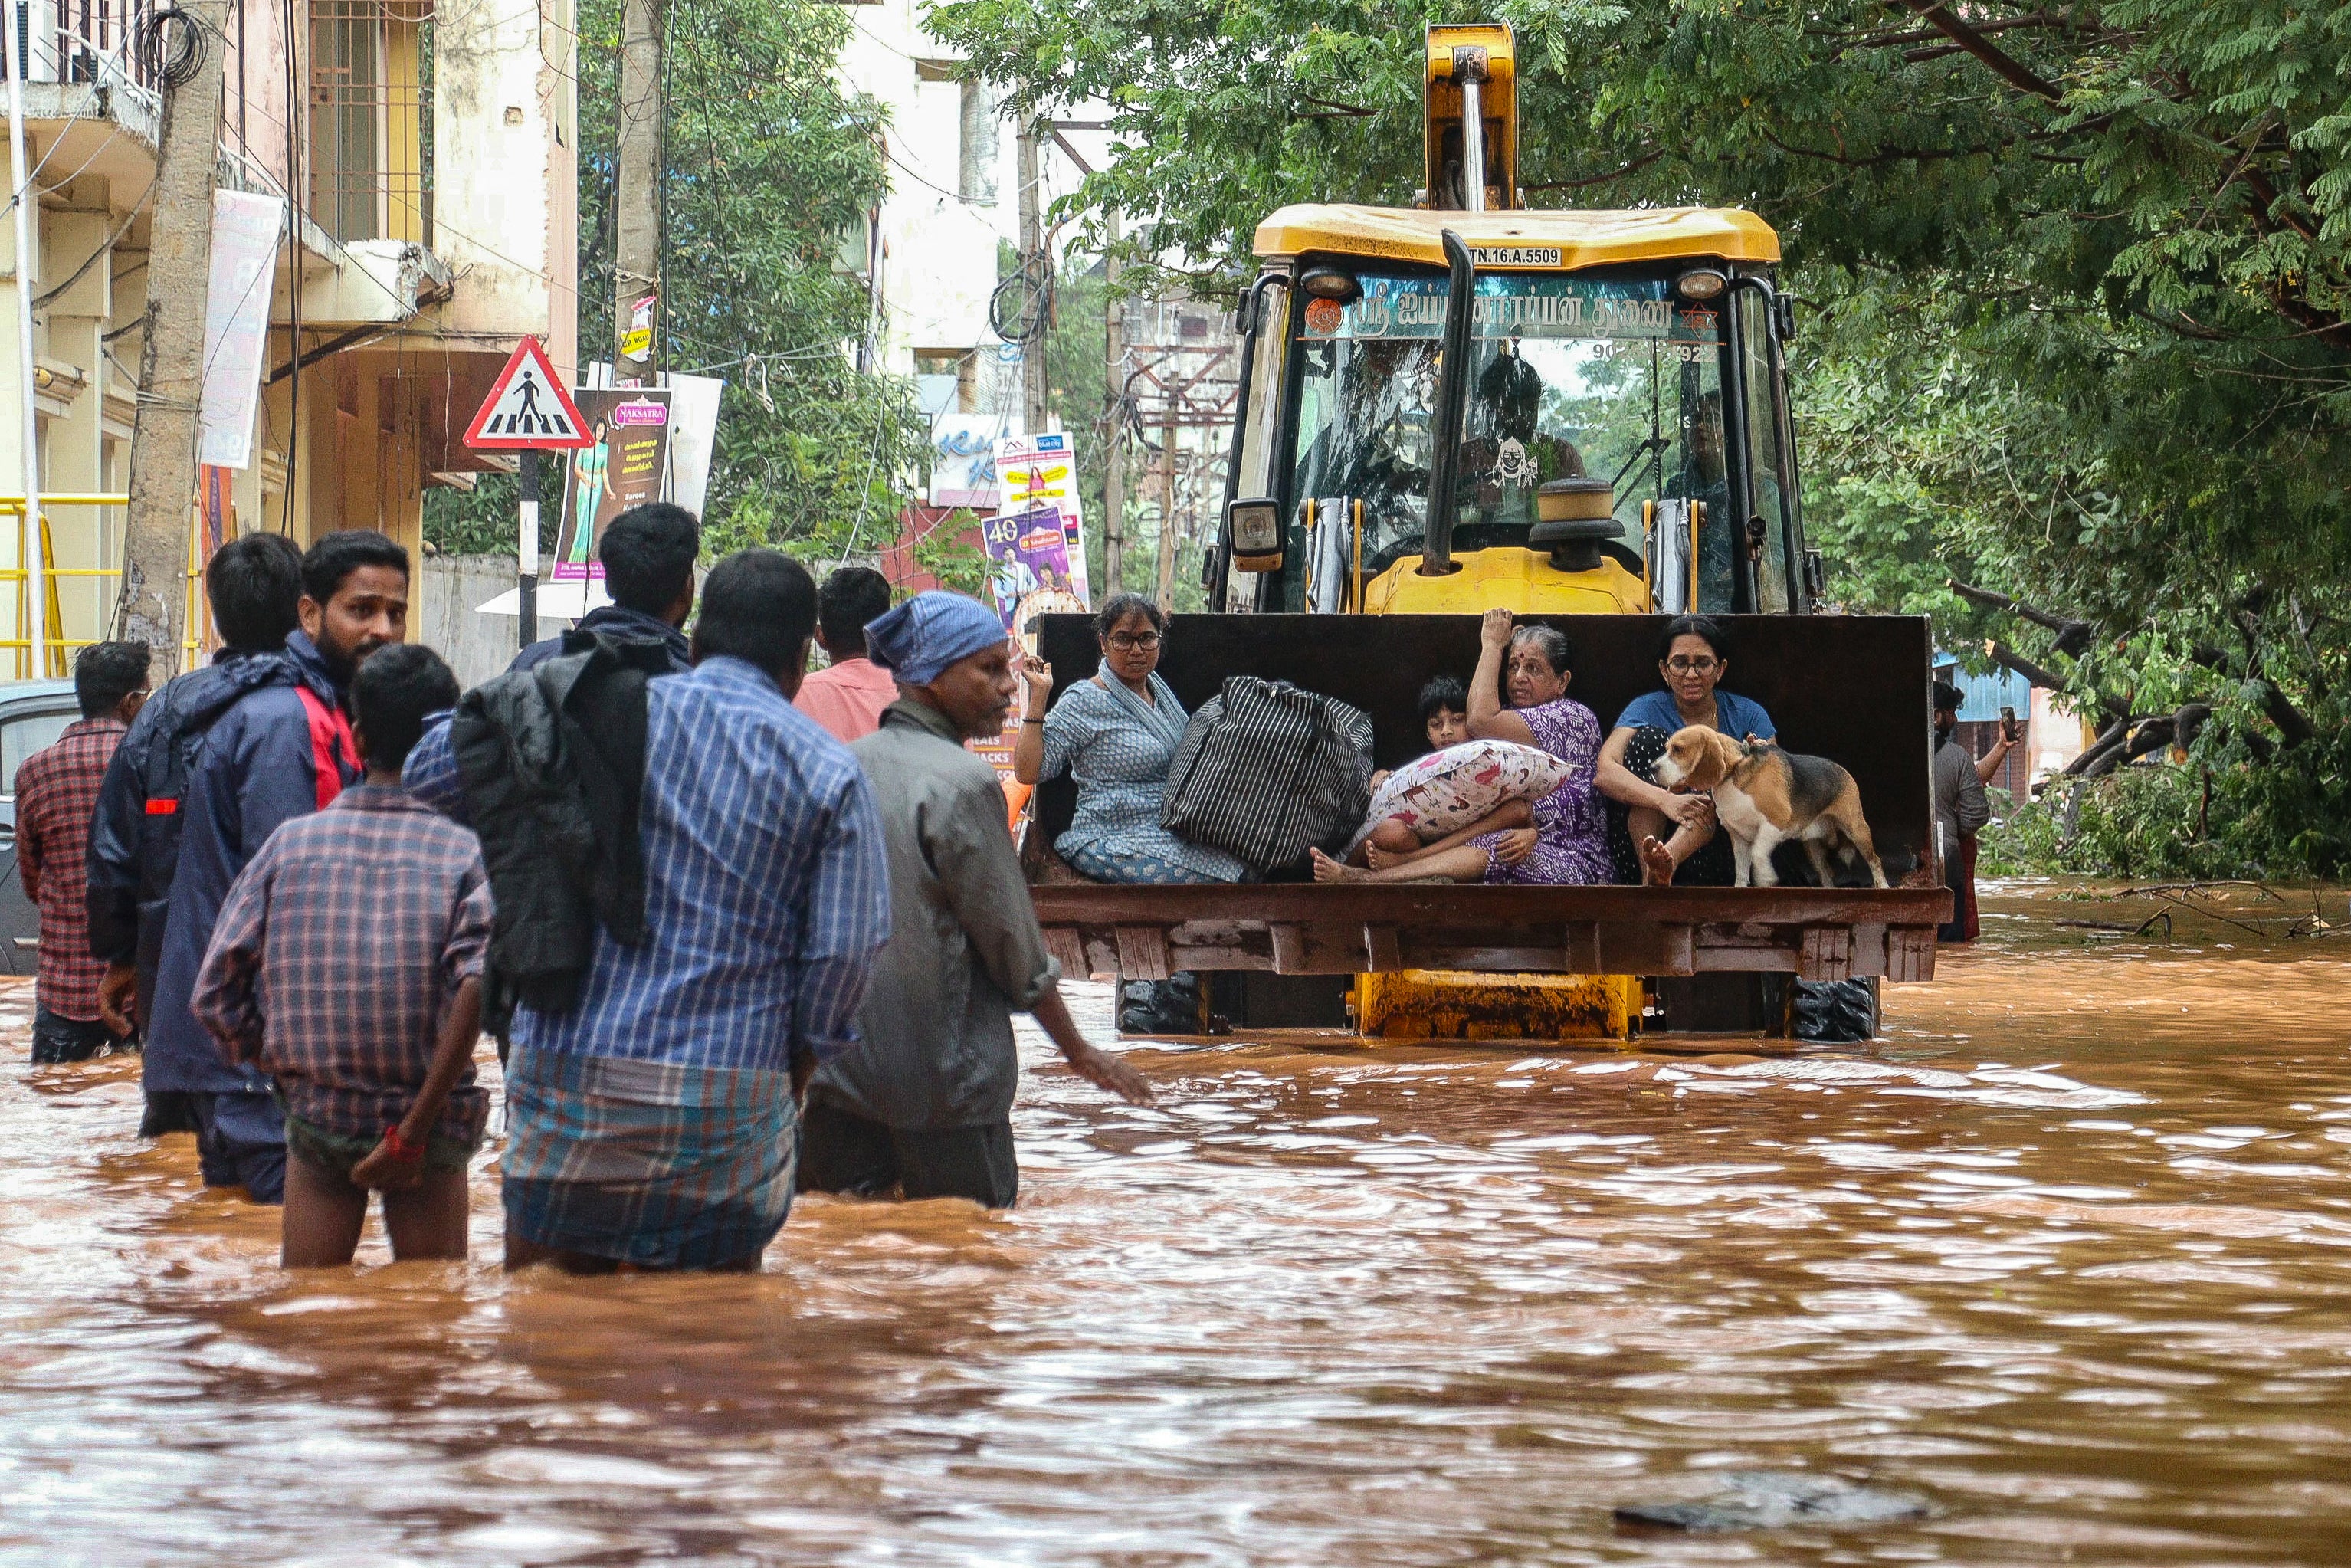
(2083, 278)
(770, 164)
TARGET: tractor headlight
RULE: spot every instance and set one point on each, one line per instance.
(1700, 283)
(1254, 527)
(1323, 281)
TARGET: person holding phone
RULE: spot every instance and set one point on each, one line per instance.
(1960, 813)
(2012, 730)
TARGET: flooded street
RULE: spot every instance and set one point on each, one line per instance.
(2068, 1252)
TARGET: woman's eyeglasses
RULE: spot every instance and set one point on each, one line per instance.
(1128, 642)
(1688, 666)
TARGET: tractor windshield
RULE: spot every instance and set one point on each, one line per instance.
(1604, 376)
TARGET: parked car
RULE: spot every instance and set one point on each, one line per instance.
(33, 714)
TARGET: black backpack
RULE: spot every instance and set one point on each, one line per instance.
(159, 752)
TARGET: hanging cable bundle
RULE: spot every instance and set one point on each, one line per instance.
(172, 45)
(1023, 302)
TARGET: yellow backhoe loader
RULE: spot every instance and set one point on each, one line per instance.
(1599, 402)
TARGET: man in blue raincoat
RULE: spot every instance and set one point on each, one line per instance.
(255, 586)
(283, 750)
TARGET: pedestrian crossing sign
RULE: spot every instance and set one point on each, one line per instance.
(529, 408)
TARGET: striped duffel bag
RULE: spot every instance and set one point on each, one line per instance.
(1266, 771)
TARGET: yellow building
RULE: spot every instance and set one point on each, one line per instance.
(430, 178)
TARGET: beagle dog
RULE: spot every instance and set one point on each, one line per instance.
(1763, 795)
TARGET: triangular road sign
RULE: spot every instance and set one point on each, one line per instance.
(528, 407)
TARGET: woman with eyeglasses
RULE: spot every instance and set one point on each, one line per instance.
(1656, 836)
(1115, 734)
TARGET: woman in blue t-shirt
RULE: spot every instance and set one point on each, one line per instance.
(1654, 836)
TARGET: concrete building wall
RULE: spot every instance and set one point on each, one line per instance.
(507, 211)
(477, 647)
(945, 213)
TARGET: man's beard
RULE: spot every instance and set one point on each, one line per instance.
(343, 665)
(993, 723)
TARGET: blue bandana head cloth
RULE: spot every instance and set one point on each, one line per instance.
(917, 641)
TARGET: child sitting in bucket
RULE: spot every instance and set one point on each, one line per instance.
(1535, 756)
(1393, 843)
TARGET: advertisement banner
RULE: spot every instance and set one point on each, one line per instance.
(693, 436)
(963, 459)
(625, 462)
(1028, 560)
(1034, 471)
(237, 323)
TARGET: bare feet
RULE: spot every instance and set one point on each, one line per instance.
(1382, 858)
(1657, 863)
(1328, 870)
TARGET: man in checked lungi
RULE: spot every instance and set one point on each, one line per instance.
(653, 1124)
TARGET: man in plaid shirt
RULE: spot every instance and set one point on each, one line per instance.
(347, 963)
(57, 794)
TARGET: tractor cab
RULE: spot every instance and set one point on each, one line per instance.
(1615, 437)
(1599, 398)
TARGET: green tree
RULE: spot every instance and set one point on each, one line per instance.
(771, 170)
(2087, 275)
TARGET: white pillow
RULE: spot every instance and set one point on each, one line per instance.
(1447, 790)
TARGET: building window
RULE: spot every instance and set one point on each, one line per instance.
(946, 380)
(369, 103)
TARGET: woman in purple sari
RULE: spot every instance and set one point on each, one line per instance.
(1568, 844)
(1571, 831)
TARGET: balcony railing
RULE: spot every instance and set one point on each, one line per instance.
(83, 41)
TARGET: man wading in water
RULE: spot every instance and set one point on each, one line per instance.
(650, 1090)
(282, 750)
(924, 1104)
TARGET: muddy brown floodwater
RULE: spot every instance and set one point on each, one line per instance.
(2068, 1252)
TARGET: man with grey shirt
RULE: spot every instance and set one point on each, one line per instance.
(924, 1104)
(1960, 812)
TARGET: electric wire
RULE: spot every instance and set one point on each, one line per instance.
(173, 45)
(104, 246)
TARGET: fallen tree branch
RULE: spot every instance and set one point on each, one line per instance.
(2073, 635)
(2108, 739)
(2007, 658)
(2290, 722)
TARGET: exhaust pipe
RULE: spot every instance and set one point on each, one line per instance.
(1452, 392)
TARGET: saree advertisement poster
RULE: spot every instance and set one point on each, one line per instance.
(1028, 555)
(626, 462)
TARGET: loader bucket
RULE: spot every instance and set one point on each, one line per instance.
(1855, 689)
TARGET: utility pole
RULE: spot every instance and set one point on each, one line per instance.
(171, 356)
(28, 434)
(1038, 270)
(1114, 436)
(636, 251)
(636, 259)
(1167, 513)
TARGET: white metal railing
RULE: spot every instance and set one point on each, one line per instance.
(88, 41)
